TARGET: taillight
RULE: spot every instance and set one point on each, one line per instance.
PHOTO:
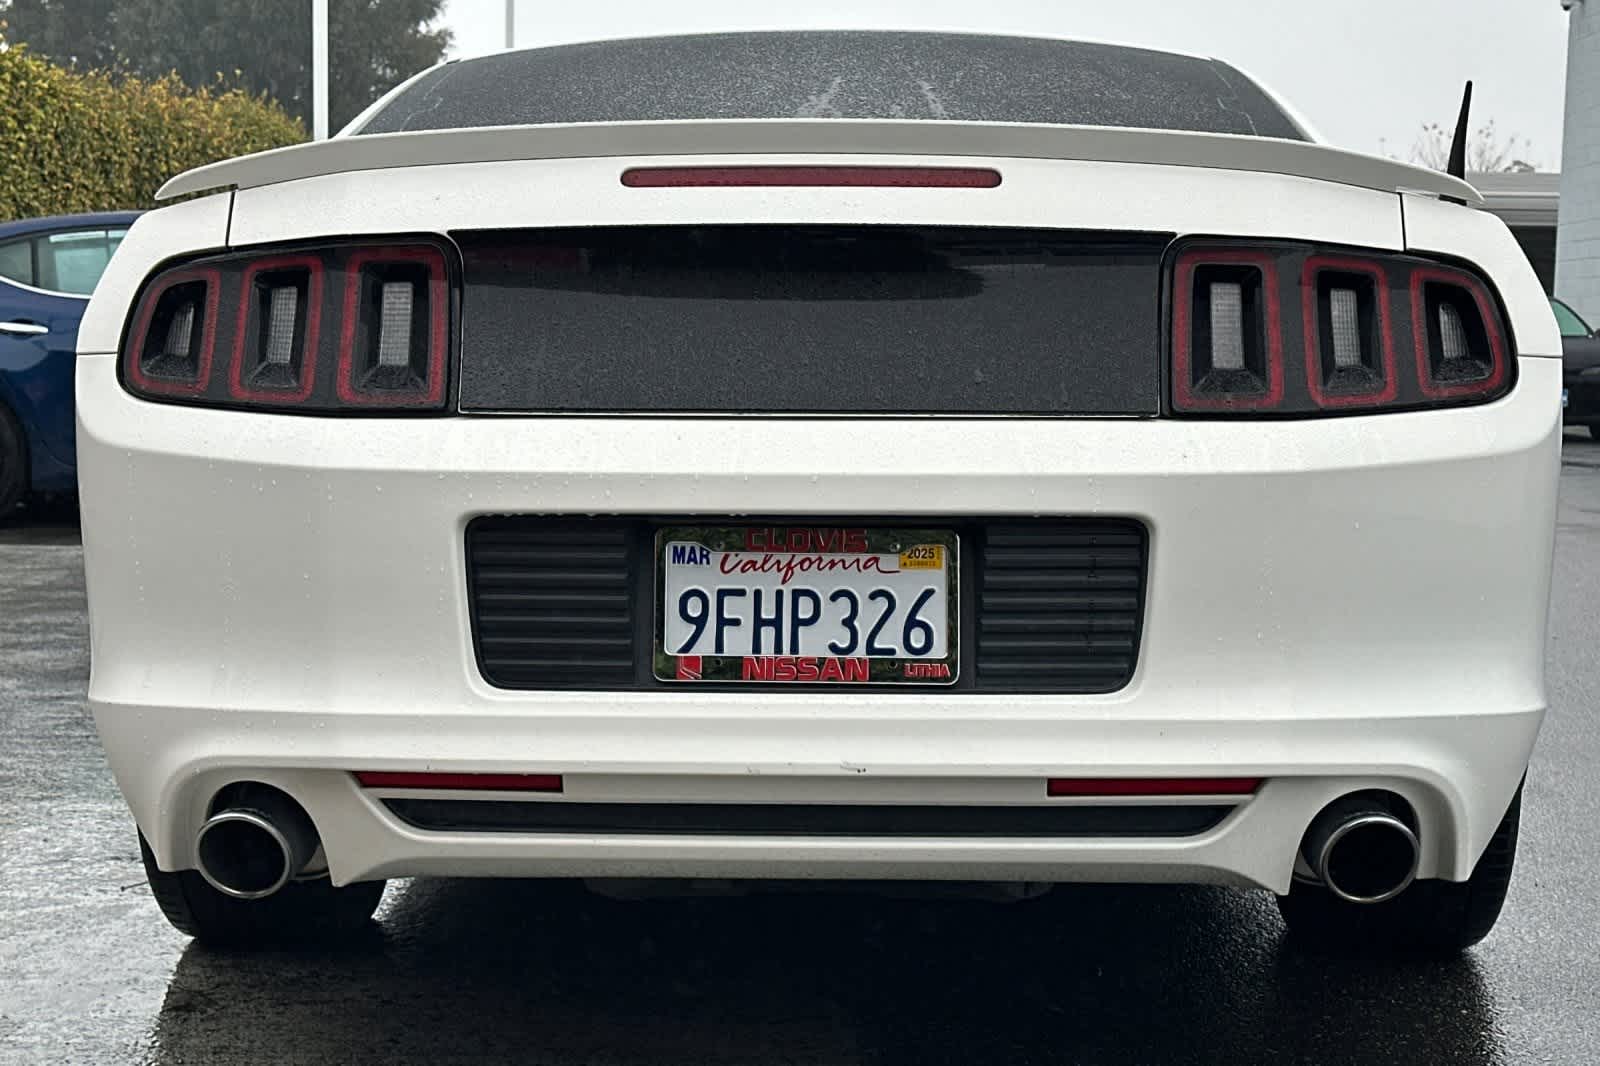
(1280, 329)
(396, 310)
(1227, 339)
(278, 330)
(1460, 345)
(1349, 333)
(172, 348)
(317, 330)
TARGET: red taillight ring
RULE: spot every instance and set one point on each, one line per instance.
(1182, 331)
(308, 363)
(1310, 297)
(212, 279)
(438, 327)
(1419, 329)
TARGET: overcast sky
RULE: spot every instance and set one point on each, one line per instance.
(1367, 73)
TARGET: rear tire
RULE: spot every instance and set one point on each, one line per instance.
(311, 910)
(13, 465)
(1432, 917)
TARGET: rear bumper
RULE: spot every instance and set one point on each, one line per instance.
(1333, 605)
(1458, 774)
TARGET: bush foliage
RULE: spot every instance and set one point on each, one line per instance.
(99, 142)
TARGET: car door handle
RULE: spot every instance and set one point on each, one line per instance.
(23, 329)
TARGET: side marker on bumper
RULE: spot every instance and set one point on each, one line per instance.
(1155, 786)
(461, 782)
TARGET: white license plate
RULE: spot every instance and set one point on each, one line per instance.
(806, 604)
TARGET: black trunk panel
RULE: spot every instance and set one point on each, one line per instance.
(811, 320)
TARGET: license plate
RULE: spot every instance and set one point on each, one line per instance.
(806, 604)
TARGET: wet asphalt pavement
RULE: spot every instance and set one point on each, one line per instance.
(529, 972)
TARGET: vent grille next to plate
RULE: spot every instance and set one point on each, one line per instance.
(553, 602)
(1060, 605)
(1048, 605)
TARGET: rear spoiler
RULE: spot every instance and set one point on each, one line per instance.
(747, 137)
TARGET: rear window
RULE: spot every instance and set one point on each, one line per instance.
(839, 74)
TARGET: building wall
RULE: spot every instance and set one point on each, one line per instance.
(1578, 238)
(1539, 244)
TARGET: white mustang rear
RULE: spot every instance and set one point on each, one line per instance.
(1090, 480)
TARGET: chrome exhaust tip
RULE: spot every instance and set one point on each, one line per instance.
(1361, 851)
(257, 844)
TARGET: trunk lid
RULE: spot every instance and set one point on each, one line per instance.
(789, 137)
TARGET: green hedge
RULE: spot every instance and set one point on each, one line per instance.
(98, 142)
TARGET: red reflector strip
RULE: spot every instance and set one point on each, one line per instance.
(464, 782)
(1177, 786)
(853, 177)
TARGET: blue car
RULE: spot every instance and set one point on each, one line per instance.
(48, 268)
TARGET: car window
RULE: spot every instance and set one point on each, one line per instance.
(839, 74)
(1567, 318)
(73, 262)
(16, 261)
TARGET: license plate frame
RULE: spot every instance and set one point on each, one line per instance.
(908, 544)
